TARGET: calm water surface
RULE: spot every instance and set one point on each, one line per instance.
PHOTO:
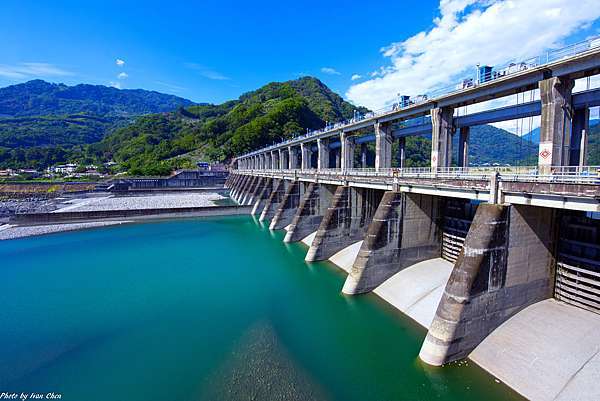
(216, 309)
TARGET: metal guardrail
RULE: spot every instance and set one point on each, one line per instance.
(559, 174)
(502, 71)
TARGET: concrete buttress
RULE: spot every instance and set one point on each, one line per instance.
(405, 230)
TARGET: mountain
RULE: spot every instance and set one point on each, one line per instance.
(534, 134)
(40, 98)
(154, 144)
(157, 143)
(65, 130)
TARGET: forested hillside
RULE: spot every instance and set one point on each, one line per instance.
(157, 143)
(218, 132)
(40, 98)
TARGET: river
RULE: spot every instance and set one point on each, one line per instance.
(213, 309)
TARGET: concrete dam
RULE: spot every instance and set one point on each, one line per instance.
(500, 264)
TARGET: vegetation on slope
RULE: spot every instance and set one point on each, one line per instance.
(40, 98)
(157, 143)
(271, 113)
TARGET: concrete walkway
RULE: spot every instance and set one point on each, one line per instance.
(345, 258)
(548, 351)
(417, 290)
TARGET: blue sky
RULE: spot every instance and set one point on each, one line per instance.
(209, 51)
(214, 51)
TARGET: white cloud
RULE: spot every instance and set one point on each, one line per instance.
(170, 87)
(356, 77)
(207, 72)
(32, 70)
(330, 71)
(119, 62)
(115, 84)
(469, 32)
(122, 75)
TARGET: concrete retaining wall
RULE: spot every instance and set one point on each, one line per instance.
(52, 218)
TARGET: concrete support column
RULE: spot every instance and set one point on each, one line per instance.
(254, 192)
(383, 146)
(404, 231)
(322, 153)
(288, 206)
(293, 157)
(401, 151)
(346, 151)
(337, 158)
(310, 212)
(271, 205)
(240, 187)
(579, 137)
(463, 147)
(555, 128)
(263, 192)
(235, 185)
(284, 159)
(345, 221)
(247, 191)
(306, 154)
(363, 155)
(506, 265)
(441, 137)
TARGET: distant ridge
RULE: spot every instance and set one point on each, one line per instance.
(41, 98)
(534, 135)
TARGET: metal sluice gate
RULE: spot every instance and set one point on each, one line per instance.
(578, 262)
(458, 215)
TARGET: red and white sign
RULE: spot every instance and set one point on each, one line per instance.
(545, 153)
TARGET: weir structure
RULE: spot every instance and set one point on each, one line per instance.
(466, 252)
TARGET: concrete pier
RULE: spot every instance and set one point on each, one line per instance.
(555, 128)
(247, 191)
(345, 221)
(274, 200)
(288, 206)
(405, 230)
(505, 266)
(236, 196)
(263, 193)
(255, 190)
(235, 185)
(441, 137)
(383, 146)
(310, 212)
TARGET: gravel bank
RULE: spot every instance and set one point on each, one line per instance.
(14, 232)
(142, 202)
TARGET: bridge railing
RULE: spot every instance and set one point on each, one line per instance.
(558, 174)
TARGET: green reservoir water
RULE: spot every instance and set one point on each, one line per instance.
(216, 309)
